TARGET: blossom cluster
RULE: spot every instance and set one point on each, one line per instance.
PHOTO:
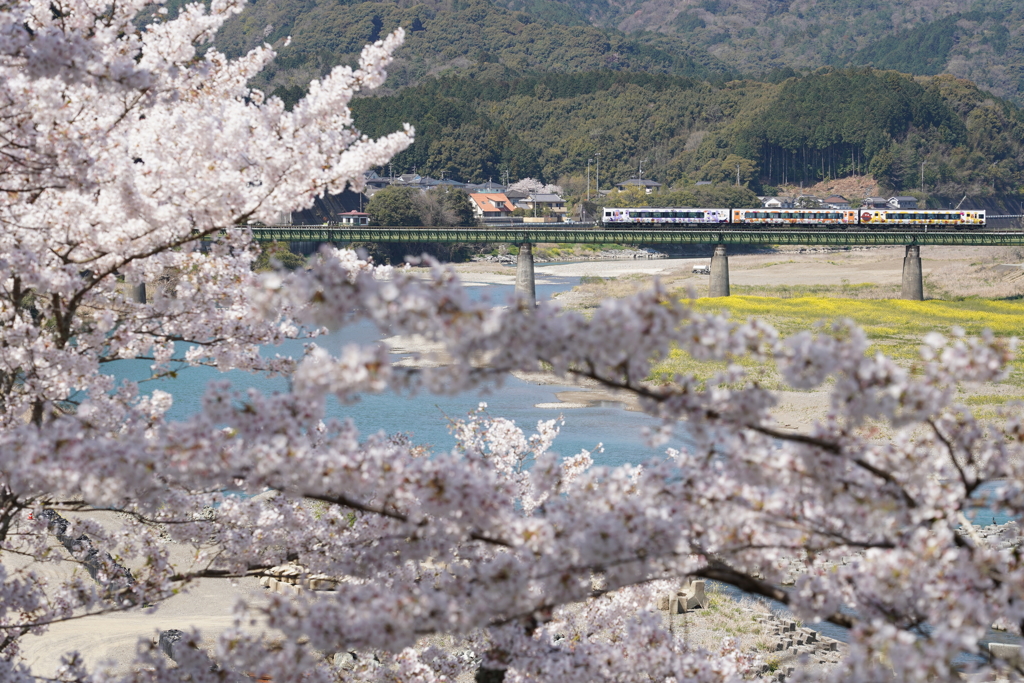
(131, 155)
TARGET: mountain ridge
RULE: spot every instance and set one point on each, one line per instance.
(982, 40)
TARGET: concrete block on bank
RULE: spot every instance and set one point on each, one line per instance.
(168, 639)
(284, 588)
(1006, 652)
(691, 596)
(694, 596)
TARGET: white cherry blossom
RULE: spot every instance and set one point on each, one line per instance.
(132, 154)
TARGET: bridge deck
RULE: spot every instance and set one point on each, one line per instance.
(566, 234)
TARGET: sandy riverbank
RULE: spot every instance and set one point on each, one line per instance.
(113, 639)
(874, 272)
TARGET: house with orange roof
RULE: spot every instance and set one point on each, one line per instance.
(491, 205)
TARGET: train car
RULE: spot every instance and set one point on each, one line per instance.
(896, 217)
(794, 216)
(653, 216)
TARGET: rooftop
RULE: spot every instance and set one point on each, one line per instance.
(645, 182)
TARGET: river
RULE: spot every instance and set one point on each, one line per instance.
(425, 417)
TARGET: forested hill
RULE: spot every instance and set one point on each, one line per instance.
(830, 123)
(982, 40)
(443, 36)
(535, 91)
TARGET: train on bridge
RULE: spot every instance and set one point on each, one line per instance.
(677, 218)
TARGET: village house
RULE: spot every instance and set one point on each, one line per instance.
(648, 185)
(354, 218)
(374, 181)
(518, 198)
(902, 202)
(837, 201)
(544, 205)
(485, 188)
(489, 206)
(808, 201)
(776, 202)
(875, 203)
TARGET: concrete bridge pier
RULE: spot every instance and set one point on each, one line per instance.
(719, 282)
(913, 284)
(526, 285)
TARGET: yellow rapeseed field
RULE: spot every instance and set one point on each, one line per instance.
(881, 318)
(895, 326)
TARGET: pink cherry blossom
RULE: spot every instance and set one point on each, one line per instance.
(126, 146)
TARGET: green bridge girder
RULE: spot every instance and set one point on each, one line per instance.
(581, 235)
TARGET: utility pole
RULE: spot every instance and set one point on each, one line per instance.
(598, 181)
(737, 175)
(922, 175)
(588, 178)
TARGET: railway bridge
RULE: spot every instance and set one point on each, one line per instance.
(525, 236)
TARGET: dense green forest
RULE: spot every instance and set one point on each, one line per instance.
(827, 124)
(473, 37)
(536, 88)
(982, 40)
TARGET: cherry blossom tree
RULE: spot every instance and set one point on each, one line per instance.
(532, 186)
(130, 156)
